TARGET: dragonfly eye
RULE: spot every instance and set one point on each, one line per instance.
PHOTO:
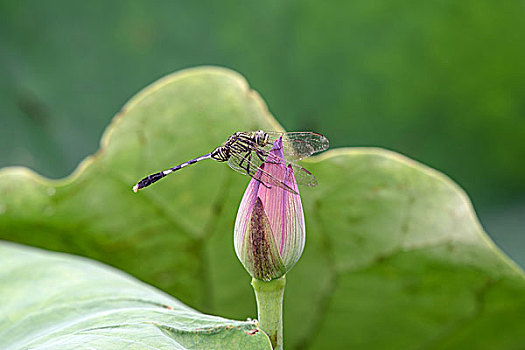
(261, 138)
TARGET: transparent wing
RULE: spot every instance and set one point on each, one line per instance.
(250, 163)
(302, 175)
(298, 145)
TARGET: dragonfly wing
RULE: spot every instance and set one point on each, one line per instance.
(302, 175)
(298, 145)
(247, 165)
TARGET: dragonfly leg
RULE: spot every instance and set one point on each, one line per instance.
(261, 182)
(248, 157)
(260, 153)
(249, 162)
(244, 158)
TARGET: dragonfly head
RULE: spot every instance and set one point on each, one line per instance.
(261, 138)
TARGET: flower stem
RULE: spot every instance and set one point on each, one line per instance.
(269, 297)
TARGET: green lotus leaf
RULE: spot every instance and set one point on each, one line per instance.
(395, 257)
(55, 301)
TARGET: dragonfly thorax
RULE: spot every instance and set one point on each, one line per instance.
(240, 143)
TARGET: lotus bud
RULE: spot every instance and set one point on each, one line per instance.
(269, 230)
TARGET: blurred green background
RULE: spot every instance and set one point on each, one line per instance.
(442, 82)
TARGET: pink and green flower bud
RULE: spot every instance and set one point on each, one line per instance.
(269, 230)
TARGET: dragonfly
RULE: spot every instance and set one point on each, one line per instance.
(246, 152)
